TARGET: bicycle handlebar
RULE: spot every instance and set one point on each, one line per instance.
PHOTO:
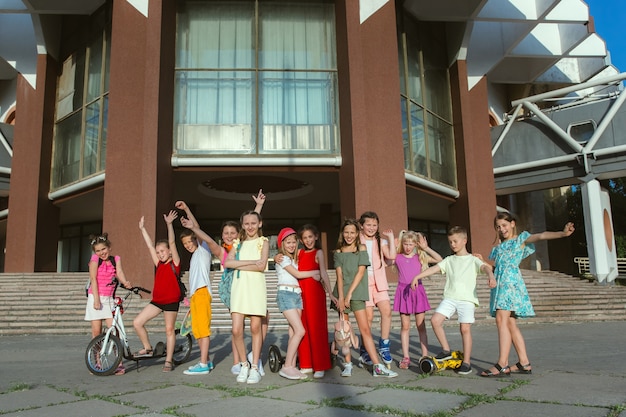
(135, 290)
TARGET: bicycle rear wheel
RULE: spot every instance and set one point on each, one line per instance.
(103, 359)
(182, 349)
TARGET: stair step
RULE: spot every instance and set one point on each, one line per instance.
(57, 307)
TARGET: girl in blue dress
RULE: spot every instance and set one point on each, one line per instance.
(509, 299)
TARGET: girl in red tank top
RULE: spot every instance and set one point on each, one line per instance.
(313, 350)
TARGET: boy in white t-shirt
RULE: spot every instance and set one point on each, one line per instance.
(459, 294)
(201, 296)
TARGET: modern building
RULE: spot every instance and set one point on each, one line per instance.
(114, 109)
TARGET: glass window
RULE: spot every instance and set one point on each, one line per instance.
(67, 145)
(82, 109)
(426, 101)
(70, 85)
(74, 247)
(255, 78)
(94, 73)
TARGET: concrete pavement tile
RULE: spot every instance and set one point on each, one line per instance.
(311, 391)
(151, 414)
(133, 381)
(164, 398)
(38, 396)
(570, 388)
(247, 406)
(92, 408)
(339, 412)
(464, 384)
(408, 400)
(516, 409)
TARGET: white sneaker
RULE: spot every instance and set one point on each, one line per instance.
(236, 369)
(381, 370)
(319, 374)
(347, 370)
(306, 370)
(243, 372)
(260, 364)
(254, 377)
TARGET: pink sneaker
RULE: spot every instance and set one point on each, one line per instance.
(290, 373)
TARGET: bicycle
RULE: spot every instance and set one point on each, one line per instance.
(105, 352)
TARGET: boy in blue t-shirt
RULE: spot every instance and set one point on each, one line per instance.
(200, 290)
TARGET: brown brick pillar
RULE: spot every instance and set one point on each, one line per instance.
(476, 205)
(138, 169)
(33, 221)
(372, 174)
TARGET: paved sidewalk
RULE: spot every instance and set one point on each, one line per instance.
(578, 371)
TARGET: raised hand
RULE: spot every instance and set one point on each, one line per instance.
(568, 229)
(422, 243)
(186, 223)
(181, 205)
(259, 199)
(170, 217)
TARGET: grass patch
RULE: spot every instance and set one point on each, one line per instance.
(616, 410)
(20, 386)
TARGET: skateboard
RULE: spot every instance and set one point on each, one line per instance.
(429, 364)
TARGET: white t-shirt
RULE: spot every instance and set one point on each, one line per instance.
(284, 277)
(461, 273)
(200, 270)
(369, 244)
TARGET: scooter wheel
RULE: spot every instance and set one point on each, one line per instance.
(159, 350)
(427, 365)
(274, 358)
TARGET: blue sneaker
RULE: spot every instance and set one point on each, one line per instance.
(198, 369)
(365, 360)
(383, 350)
(235, 369)
(209, 365)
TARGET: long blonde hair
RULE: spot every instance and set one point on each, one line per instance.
(410, 235)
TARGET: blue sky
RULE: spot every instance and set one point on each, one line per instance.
(610, 19)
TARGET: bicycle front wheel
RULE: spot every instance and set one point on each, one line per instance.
(182, 349)
(103, 358)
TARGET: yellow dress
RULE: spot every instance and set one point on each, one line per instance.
(248, 293)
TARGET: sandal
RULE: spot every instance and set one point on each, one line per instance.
(404, 363)
(120, 370)
(143, 353)
(501, 371)
(522, 369)
(168, 366)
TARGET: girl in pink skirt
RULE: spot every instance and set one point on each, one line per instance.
(413, 255)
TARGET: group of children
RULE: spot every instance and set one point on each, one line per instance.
(360, 261)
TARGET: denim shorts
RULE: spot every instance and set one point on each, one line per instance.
(288, 300)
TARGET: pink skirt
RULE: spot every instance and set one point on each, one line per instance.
(409, 301)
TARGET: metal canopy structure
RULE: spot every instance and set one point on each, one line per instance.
(580, 137)
(580, 134)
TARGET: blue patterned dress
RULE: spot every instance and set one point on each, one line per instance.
(510, 293)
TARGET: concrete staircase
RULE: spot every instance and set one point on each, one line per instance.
(46, 303)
